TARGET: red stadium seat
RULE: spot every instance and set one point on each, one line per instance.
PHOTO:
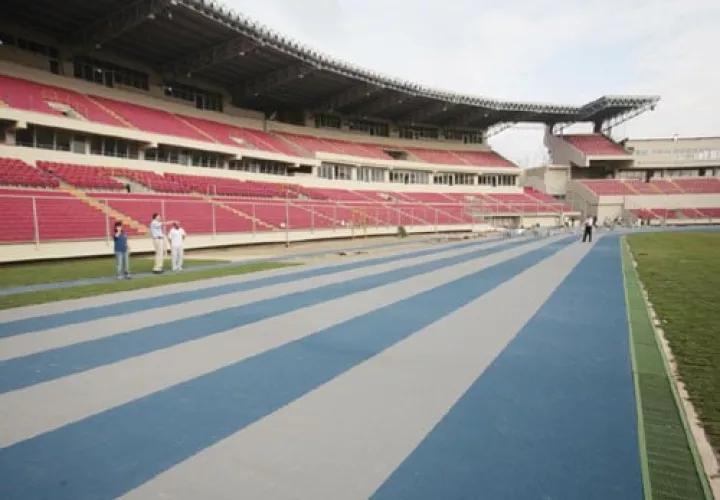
(594, 145)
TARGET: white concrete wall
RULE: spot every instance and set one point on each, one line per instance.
(563, 153)
(683, 153)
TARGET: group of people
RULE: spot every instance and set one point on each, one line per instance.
(176, 238)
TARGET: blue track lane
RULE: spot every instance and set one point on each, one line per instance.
(21, 372)
(10, 328)
(111, 279)
(553, 417)
(106, 455)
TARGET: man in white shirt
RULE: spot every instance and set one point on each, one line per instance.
(587, 234)
(157, 233)
(177, 238)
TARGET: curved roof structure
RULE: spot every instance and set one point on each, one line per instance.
(266, 71)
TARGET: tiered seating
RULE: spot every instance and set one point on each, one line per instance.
(195, 214)
(594, 145)
(710, 212)
(334, 194)
(237, 136)
(31, 96)
(437, 156)
(667, 186)
(608, 187)
(138, 206)
(676, 213)
(209, 185)
(81, 176)
(641, 187)
(521, 203)
(59, 217)
(704, 185)
(16, 215)
(156, 182)
(548, 200)
(25, 95)
(15, 172)
(265, 190)
(151, 119)
(317, 145)
(264, 141)
(484, 158)
(617, 187)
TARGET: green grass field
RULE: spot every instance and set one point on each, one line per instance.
(681, 272)
(70, 270)
(40, 273)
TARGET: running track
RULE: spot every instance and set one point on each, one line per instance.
(475, 370)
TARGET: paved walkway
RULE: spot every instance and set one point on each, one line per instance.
(496, 370)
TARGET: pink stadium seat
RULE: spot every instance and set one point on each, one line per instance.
(608, 187)
(705, 185)
(324, 145)
(152, 180)
(594, 145)
(667, 186)
(242, 137)
(437, 156)
(82, 176)
(69, 219)
(484, 158)
(151, 120)
(14, 172)
(31, 96)
(16, 217)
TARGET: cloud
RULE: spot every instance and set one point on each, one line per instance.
(566, 51)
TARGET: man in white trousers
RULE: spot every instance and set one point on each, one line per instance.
(157, 233)
(177, 239)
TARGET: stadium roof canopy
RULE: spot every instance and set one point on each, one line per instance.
(266, 71)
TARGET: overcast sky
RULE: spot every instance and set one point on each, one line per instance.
(563, 51)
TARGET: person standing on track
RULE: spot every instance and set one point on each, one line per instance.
(587, 233)
(157, 233)
(177, 239)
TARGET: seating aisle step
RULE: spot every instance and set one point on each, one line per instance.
(239, 213)
(109, 211)
(111, 113)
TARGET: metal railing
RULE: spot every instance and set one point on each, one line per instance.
(39, 218)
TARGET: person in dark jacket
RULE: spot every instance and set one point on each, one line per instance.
(122, 252)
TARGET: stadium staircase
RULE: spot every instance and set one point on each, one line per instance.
(317, 215)
(675, 184)
(239, 213)
(98, 205)
(111, 112)
(300, 151)
(633, 188)
(388, 204)
(197, 129)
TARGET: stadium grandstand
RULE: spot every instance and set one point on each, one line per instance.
(673, 181)
(113, 110)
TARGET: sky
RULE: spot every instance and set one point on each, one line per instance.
(556, 51)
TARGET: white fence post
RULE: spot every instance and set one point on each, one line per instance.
(214, 229)
(36, 224)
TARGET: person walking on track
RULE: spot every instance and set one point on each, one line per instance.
(587, 233)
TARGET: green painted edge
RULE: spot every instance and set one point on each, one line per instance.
(699, 467)
(642, 444)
